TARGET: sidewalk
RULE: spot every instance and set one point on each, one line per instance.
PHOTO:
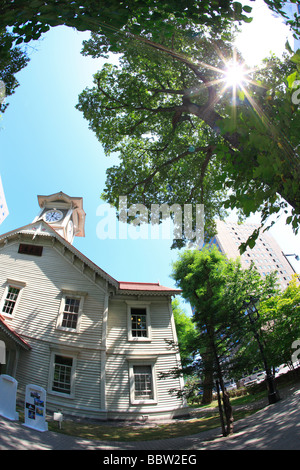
(276, 427)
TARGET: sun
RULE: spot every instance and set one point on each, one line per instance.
(235, 75)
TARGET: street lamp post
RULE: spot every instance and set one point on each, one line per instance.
(252, 312)
(296, 256)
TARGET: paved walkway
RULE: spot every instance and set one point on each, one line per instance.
(276, 427)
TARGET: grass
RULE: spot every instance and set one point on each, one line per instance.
(125, 432)
(236, 401)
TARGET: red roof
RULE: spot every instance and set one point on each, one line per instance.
(7, 329)
(146, 286)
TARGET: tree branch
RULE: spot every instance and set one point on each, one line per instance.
(148, 179)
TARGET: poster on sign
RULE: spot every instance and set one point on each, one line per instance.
(35, 408)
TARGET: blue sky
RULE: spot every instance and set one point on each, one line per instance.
(46, 147)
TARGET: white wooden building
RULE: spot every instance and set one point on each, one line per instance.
(95, 344)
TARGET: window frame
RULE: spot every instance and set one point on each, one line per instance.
(67, 294)
(146, 361)
(67, 354)
(11, 283)
(140, 305)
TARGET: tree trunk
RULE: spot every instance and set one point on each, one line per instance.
(208, 377)
(220, 409)
(228, 413)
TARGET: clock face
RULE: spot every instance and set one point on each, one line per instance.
(53, 216)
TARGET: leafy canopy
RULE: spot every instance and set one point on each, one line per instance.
(184, 136)
(12, 60)
(255, 150)
(186, 333)
(217, 288)
(31, 18)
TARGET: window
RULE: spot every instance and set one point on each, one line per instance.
(11, 297)
(62, 371)
(11, 300)
(142, 379)
(62, 374)
(138, 321)
(142, 382)
(70, 311)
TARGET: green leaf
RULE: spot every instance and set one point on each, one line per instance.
(296, 57)
(237, 7)
(251, 243)
(291, 78)
(241, 95)
(288, 47)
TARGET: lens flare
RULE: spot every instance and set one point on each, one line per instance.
(235, 75)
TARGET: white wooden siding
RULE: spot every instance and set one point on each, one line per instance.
(117, 366)
(99, 356)
(35, 365)
(39, 304)
(160, 325)
(36, 316)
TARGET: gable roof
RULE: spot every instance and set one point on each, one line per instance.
(12, 334)
(41, 228)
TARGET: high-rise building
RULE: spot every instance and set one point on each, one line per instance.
(266, 255)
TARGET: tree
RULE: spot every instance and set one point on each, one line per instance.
(279, 323)
(160, 26)
(216, 288)
(201, 275)
(31, 18)
(186, 334)
(12, 60)
(185, 137)
(245, 354)
(150, 23)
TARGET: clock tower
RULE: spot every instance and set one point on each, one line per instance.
(64, 214)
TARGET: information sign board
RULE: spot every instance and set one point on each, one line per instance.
(35, 408)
